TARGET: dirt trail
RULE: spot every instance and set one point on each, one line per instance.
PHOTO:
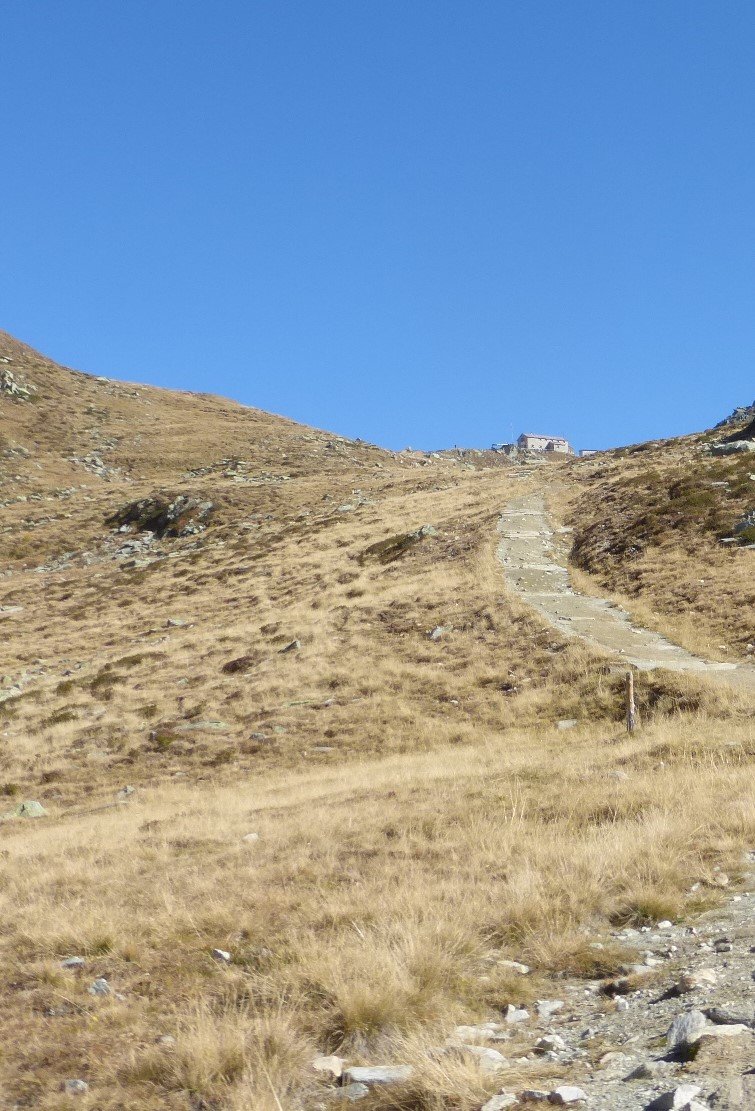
(529, 551)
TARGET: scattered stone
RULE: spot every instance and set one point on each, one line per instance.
(515, 966)
(676, 1099)
(377, 1074)
(500, 1102)
(351, 1092)
(735, 1030)
(74, 1087)
(567, 1094)
(30, 809)
(490, 1059)
(73, 963)
(685, 1029)
(692, 981)
(551, 1043)
(99, 986)
(514, 1014)
(329, 1066)
(724, 1016)
(546, 1008)
(482, 1033)
(221, 955)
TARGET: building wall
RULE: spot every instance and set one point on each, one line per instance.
(543, 443)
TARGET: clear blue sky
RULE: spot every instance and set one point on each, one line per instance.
(416, 221)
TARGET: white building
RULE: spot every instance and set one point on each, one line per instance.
(529, 442)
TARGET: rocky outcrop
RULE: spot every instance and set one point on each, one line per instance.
(163, 515)
(12, 385)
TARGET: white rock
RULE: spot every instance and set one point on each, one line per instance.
(515, 966)
(221, 955)
(691, 981)
(99, 987)
(514, 1014)
(249, 837)
(732, 1030)
(377, 1074)
(567, 1094)
(483, 1033)
(676, 1099)
(490, 1059)
(329, 1066)
(548, 1007)
(551, 1043)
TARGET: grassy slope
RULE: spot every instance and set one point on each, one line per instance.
(648, 523)
(419, 816)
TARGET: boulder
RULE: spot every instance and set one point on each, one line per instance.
(685, 1029)
(377, 1074)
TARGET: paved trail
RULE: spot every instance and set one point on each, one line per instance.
(527, 551)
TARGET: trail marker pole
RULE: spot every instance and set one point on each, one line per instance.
(630, 706)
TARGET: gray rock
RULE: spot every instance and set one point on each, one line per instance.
(292, 646)
(733, 448)
(546, 1008)
(725, 1016)
(645, 1071)
(351, 1092)
(74, 1087)
(73, 963)
(99, 986)
(674, 1100)
(439, 631)
(221, 955)
(533, 1095)
(515, 1015)
(566, 723)
(377, 1074)
(685, 1029)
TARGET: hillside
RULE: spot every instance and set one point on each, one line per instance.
(275, 700)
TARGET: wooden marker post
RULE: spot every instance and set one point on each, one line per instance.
(630, 706)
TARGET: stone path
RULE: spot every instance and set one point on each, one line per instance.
(527, 551)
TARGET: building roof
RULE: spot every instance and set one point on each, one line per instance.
(537, 436)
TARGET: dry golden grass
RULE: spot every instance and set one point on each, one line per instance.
(647, 531)
(420, 818)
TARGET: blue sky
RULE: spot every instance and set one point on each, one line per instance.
(423, 222)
